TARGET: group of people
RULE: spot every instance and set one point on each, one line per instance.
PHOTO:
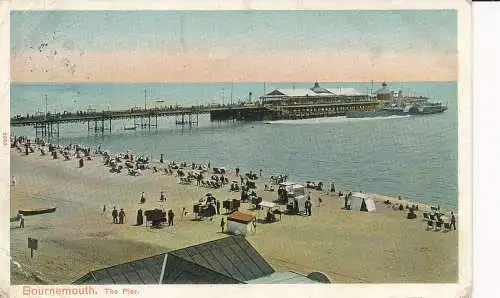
(118, 217)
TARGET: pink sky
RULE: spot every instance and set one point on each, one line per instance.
(220, 67)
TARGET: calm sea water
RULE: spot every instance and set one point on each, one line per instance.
(415, 157)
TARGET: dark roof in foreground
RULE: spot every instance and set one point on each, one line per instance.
(227, 260)
(230, 260)
(143, 271)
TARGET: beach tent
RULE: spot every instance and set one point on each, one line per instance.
(301, 200)
(240, 223)
(297, 190)
(361, 202)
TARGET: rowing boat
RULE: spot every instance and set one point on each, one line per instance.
(29, 212)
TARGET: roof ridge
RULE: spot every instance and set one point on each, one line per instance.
(203, 244)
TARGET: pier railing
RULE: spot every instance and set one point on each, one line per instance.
(83, 116)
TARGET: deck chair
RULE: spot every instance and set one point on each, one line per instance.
(430, 225)
(447, 227)
(439, 225)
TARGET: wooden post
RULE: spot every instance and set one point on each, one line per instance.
(32, 245)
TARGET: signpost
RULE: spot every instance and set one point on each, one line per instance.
(32, 245)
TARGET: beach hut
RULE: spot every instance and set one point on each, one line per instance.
(240, 223)
(361, 202)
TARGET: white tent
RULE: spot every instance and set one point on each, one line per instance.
(301, 201)
(357, 200)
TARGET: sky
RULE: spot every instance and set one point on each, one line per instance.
(239, 46)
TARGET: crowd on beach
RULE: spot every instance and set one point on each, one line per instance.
(205, 175)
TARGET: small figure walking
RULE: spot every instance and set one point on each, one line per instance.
(184, 212)
(21, 219)
(222, 224)
(162, 197)
(143, 198)
(170, 216)
(114, 214)
(121, 215)
(103, 210)
(308, 206)
(453, 221)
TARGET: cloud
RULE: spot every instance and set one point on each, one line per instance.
(299, 66)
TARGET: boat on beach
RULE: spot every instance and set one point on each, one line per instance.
(130, 127)
(29, 212)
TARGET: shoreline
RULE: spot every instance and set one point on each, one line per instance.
(331, 241)
(379, 198)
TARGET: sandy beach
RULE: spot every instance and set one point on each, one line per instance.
(351, 247)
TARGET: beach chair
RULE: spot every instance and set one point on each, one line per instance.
(430, 225)
(446, 227)
(439, 225)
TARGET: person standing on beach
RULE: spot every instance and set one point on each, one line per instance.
(308, 206)
(222, 224)
(143, 198)
(452, 221)
(13, 182)
(170, 216)
(218, 206)
(21, 219)
(121, 215)
(140, 218)
(260, 173)
(161, 158)
(103, 210)
(332, 187)
(162, 197)
(319, 201)
(114, 214)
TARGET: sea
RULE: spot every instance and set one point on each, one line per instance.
(415, 157)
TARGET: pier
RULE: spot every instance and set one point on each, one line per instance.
(47, 125)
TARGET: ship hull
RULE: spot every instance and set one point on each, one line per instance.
(381, 113)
